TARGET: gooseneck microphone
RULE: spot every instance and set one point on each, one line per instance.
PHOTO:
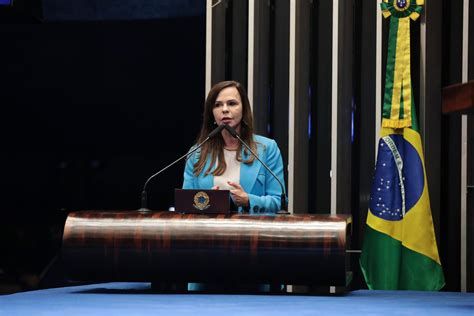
(284, 207)
(144, 198)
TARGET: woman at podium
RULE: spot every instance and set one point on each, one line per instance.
(224, 163)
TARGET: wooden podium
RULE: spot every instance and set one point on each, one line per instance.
(459, 98)
(172, 247)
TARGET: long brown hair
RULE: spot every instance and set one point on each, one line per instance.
(215, 146)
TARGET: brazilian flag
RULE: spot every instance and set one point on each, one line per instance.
(399, 250)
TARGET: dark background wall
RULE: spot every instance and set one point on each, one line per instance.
(90, 109)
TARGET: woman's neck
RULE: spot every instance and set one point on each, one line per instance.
(229, 141)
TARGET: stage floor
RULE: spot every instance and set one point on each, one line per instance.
(137, 299)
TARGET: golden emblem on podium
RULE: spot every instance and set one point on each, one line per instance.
(201, 201)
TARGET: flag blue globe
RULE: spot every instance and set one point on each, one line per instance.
(386, 196)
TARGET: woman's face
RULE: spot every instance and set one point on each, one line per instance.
(228, 108)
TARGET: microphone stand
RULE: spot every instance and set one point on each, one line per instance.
(283, 208)
(144, 197)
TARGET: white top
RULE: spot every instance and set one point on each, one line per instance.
(231, 173)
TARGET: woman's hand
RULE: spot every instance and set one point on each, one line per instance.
(216, 187)
(240, 197)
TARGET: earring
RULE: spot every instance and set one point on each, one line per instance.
(215, 123)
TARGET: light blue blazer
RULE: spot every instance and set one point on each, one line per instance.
(262, 188)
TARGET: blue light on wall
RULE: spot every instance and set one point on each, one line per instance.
(352, 121)
(6, 2)
(310, 123)
(106, 10)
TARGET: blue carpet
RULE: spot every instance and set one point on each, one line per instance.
(137, 299)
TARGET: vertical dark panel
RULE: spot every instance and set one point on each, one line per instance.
(280, 80)
(364, 122)
(301, 106)
(261, 66)
(229, 41)
(239, 46)
(218, 68)
(470, 163)
(431, 123)
(415, 45)
(450, 176)
(452, 42)
(450, 202)
(344, 108)
(470, 204)
(320, 85)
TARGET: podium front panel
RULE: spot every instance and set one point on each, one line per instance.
(166, 246)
